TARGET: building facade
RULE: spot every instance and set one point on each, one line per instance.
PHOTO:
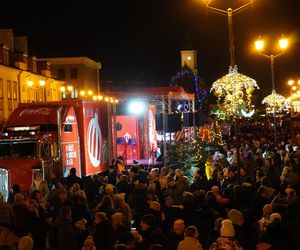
(22, 77)
(80, 72)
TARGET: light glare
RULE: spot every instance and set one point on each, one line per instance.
(259, 45)
(42, 83)
(29, 83)
(283, 43)
(136, 107)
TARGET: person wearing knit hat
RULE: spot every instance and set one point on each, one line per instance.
(190, 239)
(236, 217)
(25, 243)
(81, 224)
(109, 189)
(227, 240)
(277, 236)
(227, 229)
(241, 234)
(265, 220)
(275, 217)
(89, 244)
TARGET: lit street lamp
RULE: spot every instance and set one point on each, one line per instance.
(273, 101)
(67, 90)
(38, 89)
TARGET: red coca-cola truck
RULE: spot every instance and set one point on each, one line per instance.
(53, 137)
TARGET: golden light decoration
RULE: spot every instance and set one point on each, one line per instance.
(274, 102)
(235, 90)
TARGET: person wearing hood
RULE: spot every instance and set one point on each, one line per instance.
(190, 241)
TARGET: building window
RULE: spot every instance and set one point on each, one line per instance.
(61, 74)
(15, 90)
(73, 73)
(1, 88)
(9, 88)
(5, 57)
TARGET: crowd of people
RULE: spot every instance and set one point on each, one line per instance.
(245, 202)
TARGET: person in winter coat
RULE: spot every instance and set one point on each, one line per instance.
(73, 178)
(150, 233)
(20, 209)
(39, 184)
(176, 235)
(241, 234)
(36, 225)
(190, 241)
(276, 234)
(102, 231)
(26, 243)
(81, 233)
(62, 235)
(227, 240)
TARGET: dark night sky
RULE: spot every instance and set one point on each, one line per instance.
(133, 36)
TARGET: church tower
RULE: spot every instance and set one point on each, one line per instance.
(189, 58)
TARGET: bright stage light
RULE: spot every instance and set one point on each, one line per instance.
(136, 107)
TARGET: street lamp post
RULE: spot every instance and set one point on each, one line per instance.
(232, 86)
(229, 12)
(274, 101)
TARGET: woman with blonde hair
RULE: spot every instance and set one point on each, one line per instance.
(39, 184)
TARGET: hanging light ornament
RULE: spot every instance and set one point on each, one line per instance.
(235, 90)
(274, 102)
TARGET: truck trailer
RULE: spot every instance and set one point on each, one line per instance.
(53, 137)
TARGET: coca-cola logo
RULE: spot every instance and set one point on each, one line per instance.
(94, 141)
(35, 111)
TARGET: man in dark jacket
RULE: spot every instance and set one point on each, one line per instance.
(151, 234)
(73, 178)
(241, 235)
(62, 235)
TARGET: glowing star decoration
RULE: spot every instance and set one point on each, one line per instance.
(274, 102)
(235, 90)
